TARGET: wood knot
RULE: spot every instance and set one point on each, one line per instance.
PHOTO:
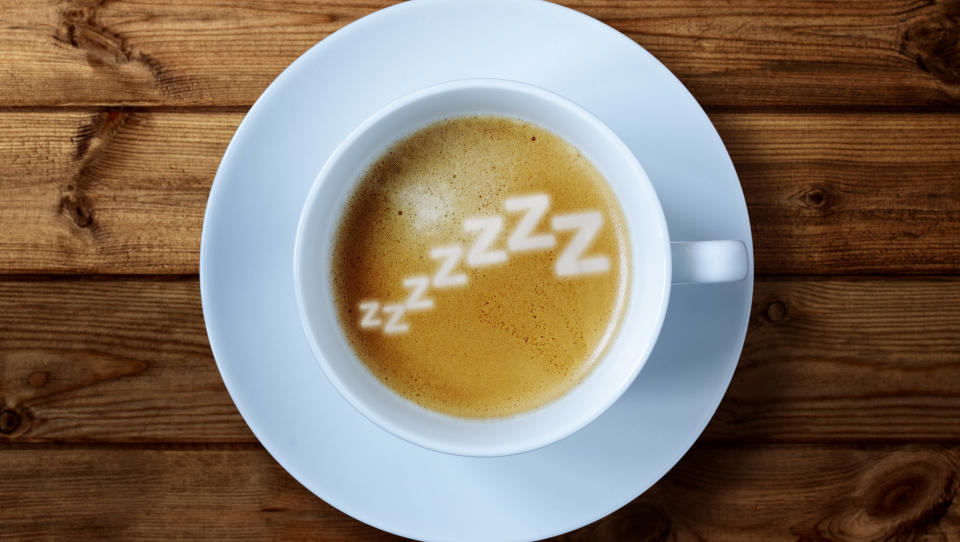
(38, 379)
(776, 311)
(75, 14)
(898, 496)
(80, 27)
(75, 205)
(912, 498)
(902, 495)
(815, 198)
(932, 39)
(9, 421)
(101, 129)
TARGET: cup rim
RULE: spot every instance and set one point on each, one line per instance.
(501, 449)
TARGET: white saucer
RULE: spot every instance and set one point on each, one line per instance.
(246, 273)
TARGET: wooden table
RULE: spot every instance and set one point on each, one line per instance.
(843, 419)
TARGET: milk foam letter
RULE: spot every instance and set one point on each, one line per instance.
(394, 325)
(587, 225)
(480, 254)
(369, 310)
(536, 206)
(450, 256)
(417, 286)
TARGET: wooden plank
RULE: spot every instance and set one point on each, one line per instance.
(847, 361)
(113, 191)
(104, 494)
(127, 360)
(858, 193)
(123, 191)
(796, 493)
(739, 493)
(189, 52)
(738, 53)
(122, 361)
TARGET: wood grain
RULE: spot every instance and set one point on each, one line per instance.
(123, 191)
(842, 421)
(130, 494)
(126, 360)
(849, 193)
(190, 52)
(112, 191)
(738, 493)
(847, 360)
(798, 494)
(737, 53)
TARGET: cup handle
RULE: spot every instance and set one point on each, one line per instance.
(705, 262)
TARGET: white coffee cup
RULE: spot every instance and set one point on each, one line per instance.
(655, 264)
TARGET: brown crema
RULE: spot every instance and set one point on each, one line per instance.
(501, 327)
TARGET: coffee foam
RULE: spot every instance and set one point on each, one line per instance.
(510, 335)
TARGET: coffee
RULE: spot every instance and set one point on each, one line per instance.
(480, 267)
